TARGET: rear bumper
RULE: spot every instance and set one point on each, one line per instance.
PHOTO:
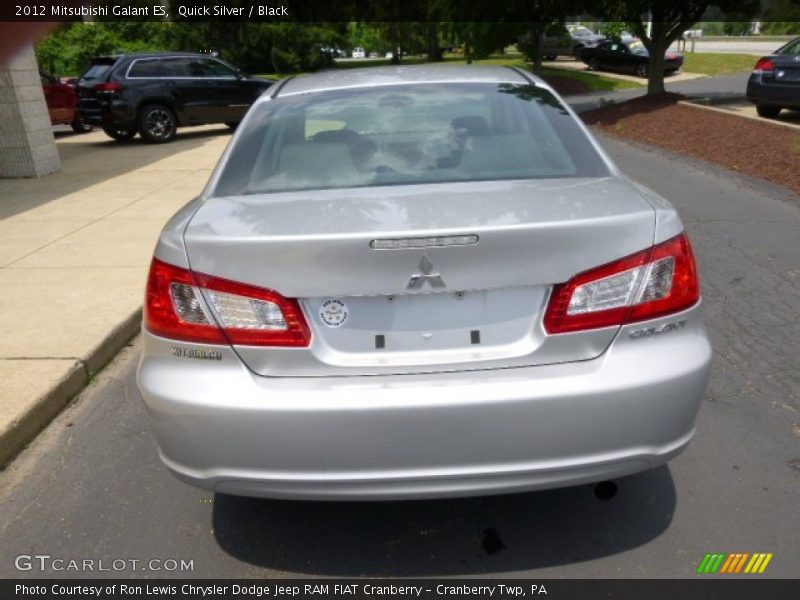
(223, 428)
(113, 114)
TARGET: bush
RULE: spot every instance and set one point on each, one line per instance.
(285, 61)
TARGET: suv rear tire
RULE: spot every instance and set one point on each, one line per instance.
(768, 112)
(157, 123)
(121, 135)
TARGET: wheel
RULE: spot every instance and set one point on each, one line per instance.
(768, 112)
(641, 69)
(550, 57)
(156, 124)
(121, 135)
(232, 124)
(576, 52)
(594, 65)
(79, 126)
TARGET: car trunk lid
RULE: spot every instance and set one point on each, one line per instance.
(469, 292)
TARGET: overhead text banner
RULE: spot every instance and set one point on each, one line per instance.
(319, 11)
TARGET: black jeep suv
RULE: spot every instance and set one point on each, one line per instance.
(156, 93)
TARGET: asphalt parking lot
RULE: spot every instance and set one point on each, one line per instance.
(92, 485)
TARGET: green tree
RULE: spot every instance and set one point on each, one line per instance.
(782, 17)
(68, 50)
(668, 21)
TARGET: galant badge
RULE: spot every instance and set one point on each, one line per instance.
(426, 274)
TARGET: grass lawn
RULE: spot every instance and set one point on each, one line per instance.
(595, 82)
(708, 63)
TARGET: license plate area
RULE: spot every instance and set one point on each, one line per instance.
(423, 323)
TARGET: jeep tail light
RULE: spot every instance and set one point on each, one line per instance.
(649, 284)
(764, 65)
(111, 86)
(192, 307)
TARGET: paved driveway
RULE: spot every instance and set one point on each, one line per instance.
(92, 485)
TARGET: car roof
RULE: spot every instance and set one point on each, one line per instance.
(152, 55)
(379, 76)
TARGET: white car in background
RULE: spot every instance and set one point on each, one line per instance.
(359, 52)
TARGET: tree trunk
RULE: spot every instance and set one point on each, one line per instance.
(538, 43)
(655, 70)
(432, 39)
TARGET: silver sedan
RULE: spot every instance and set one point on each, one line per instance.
(420, 282)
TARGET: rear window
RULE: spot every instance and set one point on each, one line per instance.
(99, 70)
(397, 135)
(791, 48)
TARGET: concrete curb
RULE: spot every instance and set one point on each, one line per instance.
(714, 108)
(28, 425)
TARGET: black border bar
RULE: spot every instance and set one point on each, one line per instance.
(702, 587)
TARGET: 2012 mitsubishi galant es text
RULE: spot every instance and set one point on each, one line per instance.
(419, 282)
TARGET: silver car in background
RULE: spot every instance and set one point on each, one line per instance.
(419, 282)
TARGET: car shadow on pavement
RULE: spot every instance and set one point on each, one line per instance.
(93, 158)
(445, 537)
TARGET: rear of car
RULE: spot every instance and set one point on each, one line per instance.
(93, 87)
(774, 83)
(407, 283)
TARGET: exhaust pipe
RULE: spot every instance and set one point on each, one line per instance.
(605, 490)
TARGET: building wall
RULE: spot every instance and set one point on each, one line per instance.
(27, 146)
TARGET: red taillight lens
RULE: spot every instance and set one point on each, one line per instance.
(649, 284)
(111, 86)
(179, 305)
(764, 65)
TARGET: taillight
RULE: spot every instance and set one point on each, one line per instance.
(111, 86)
(649, 284)
(764, 65)
(193, 307)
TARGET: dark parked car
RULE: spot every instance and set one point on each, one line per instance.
(61, 100)
(775, 81)
(630, 57)
(154, 94)
(569, 41)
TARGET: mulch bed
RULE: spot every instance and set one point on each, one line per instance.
(567, 86)
(763, 150)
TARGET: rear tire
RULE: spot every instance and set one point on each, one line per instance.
(157, 124)
(594, 65)
(768, 112)
(641, 70)
(79, 126)
(120, 135)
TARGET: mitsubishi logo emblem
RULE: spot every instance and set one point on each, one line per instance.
(426, 274)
